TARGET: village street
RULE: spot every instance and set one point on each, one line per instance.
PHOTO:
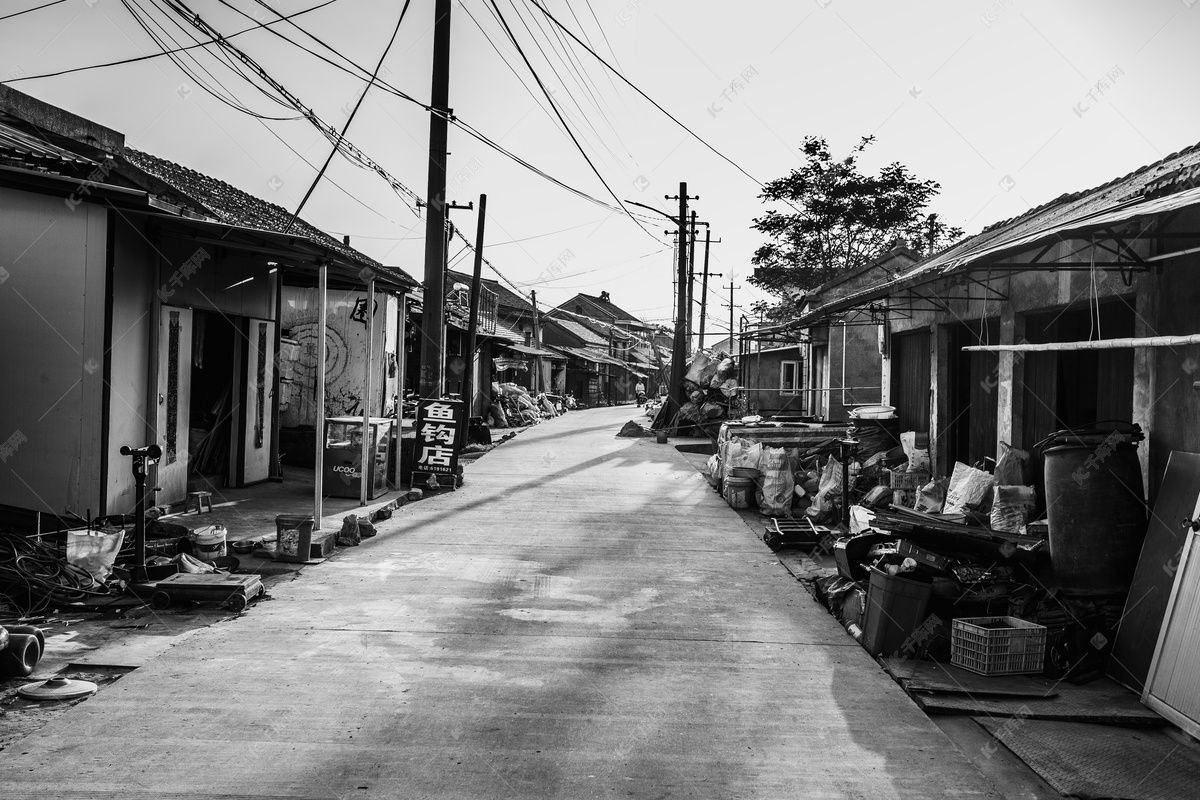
(584, 618)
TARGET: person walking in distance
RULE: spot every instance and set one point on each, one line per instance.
(640, 391)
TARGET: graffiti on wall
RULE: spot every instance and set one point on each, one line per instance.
(345, 357)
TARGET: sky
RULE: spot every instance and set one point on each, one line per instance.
(1007, 104)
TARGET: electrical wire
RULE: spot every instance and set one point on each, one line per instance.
(350, 119)
(549, 99)
(34, 577)
(633, 86)
(148, 57)
(35, 8)
(349, 151)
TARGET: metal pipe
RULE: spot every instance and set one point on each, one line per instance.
(319, 438)
(364, 490)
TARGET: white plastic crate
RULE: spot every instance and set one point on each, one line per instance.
(997, 645)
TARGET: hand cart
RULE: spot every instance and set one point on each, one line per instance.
(233, 591)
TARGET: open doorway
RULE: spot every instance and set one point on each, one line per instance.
(212, 397)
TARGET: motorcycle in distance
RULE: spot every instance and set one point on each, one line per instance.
(640, 391)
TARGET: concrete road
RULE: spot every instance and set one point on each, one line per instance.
(585, 618)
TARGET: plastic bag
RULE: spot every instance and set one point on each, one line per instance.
(94, 551)
(1012, 468)
(968, 487)
(776, 485)
(742, 453)
(1011, 507)
(932, 496)
(918, 459)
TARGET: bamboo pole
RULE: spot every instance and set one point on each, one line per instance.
(1097, 344)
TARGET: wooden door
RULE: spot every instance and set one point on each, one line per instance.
(174, 402)
(1173, 686)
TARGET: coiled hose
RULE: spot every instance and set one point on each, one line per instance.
(34, 577)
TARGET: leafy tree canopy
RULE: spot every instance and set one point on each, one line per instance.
(829, 218)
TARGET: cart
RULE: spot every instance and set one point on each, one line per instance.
(233, 591)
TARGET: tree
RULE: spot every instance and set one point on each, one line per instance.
(837, 219)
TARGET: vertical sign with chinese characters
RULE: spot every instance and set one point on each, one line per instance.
(438, 424)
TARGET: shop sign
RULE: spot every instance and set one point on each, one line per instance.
(439, 423)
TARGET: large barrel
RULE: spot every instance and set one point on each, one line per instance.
(1096, 507)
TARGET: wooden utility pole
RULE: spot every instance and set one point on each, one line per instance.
(704, 282)
(433, 315)
(473, 319)
(675, 395)
(691, 283)
(537, 342)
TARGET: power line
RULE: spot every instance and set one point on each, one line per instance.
(633, 86)
(572, 135)
(35, 8)
(350, 119)
(147, 57)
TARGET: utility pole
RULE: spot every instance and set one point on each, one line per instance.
(704, 282)
(691, 284)
(433, 315)
(537, 342)
(731, 287)
(679, 345)
(473, 321)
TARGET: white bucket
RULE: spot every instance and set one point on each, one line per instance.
(209, 542)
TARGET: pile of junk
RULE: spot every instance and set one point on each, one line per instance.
(1017, 565)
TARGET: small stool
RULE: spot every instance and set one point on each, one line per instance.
(201, 498)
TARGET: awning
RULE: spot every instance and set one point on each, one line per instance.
(989, 250)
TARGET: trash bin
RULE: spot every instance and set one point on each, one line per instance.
(293, 537)
(896, 606)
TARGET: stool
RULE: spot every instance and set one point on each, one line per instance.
(200, 498)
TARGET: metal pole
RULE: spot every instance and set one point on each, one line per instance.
(401, 377)
(365, 482)
(473, 322)
(319, 455)
(433, 361)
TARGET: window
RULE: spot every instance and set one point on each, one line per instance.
(789, 377)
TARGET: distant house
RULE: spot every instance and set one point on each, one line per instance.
(630, 342)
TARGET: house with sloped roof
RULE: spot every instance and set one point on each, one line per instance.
(148, 300)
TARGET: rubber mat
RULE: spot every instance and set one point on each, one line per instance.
(916, 675)
(1101, 761)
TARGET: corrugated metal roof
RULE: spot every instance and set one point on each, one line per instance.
(25, 145)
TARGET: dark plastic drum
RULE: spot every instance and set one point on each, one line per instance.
(1095, 503)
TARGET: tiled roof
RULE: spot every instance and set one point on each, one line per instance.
(580, 331)
(232, 206)
(608, 306)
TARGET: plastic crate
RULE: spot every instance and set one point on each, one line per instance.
(1013, 647)
(908, 480)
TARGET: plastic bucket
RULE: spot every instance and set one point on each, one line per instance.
(896, 606)
(208, 543)
(738, 492)
(293, 537)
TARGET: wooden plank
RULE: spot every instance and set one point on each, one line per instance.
(1151, 587)
(1100, 701)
